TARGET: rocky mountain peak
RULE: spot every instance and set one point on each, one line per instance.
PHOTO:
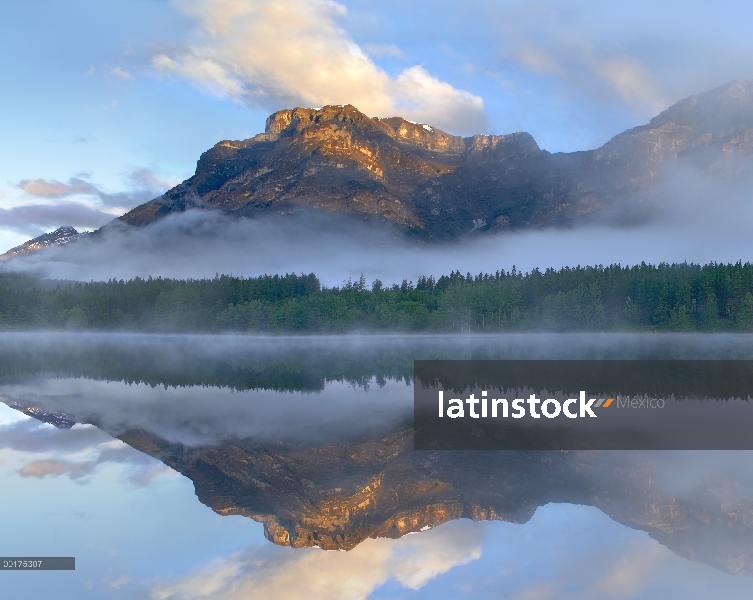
(339, 159)
(62, 235)
(730, 103)
(420, 134)
(710, 132)
(438, 186)
(520, 142)
(328, 120)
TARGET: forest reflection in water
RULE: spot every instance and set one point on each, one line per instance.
(312, 438)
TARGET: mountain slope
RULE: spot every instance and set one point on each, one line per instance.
(441, 186)
(339, 159)
(60, 236)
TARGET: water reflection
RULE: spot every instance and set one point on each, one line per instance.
(311, 437)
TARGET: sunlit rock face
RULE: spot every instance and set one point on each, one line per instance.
(439, 186)
(338, 159)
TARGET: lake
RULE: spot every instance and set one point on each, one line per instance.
(186, 467)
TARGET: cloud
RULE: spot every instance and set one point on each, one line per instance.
(564, 41)
(145, 179)
(384, 50)
(122, 73)
(142, 469)
(311, 573)
(75, 452)
(32, 436)
(423, 96)
(208, 415)
(52, 468)
(58, 210)
(628, 575)
(120, 582)
(631, 80)
(538, 60)
(278, 54)
(539, 591)
(627, 79)
(43, 188)
(144, 186)
(35, 219)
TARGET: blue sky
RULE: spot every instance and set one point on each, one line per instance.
(106, 104)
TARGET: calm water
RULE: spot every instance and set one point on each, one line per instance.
(214, 467)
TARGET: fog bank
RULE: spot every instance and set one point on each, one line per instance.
(692, 218)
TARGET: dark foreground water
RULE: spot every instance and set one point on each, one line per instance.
(215, 467)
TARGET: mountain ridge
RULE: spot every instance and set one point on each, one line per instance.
(437, 186)
(442, 186)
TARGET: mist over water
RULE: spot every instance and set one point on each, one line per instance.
(198, 390)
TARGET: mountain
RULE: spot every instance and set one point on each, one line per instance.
(440, 186)
(337, 495)
(63, 235)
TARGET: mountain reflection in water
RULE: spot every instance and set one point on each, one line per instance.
(312, 436)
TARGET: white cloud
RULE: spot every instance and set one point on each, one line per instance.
(627, 576)
(389, 50)
(76, 202)
(119, 582)
(424, 96)
(579, 67)
(45, 451)
(631, 80)
(51, 188)
(93, 208)
(557, 39)
(284, 53)
(312, 573)
(122, 73)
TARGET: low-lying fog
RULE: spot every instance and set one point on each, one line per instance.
(203, 389)
(695, 219)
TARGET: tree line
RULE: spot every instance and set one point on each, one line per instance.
(677, 297)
